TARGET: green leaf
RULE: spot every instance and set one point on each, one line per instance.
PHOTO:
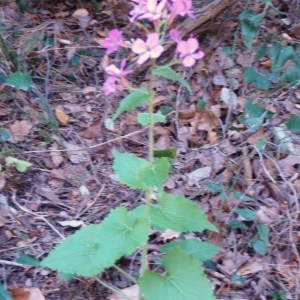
(199, 250)
(4, 135)
(20, 165)
(143, 118)
(241, 196)
(133, 100)
(260, 246)
(261, 82)
(293, 124)
(261, 51)
(214, 187)
(94, 248)
(249, 32)
(254, 123)
(4, 294)
(139, 173)
(280, 55)
(167, 72)
(235, 278)
(250, 24)
(20, 81)
(185, 279)
(27, 260)
(291, 75)
(237, 224)
(168, 152)
(179, 214)
(246, 213)
(263, 232)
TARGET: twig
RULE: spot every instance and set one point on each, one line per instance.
(13, 198)
(12, 263)
(87, 148)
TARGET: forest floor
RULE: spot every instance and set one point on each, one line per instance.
(245, 175)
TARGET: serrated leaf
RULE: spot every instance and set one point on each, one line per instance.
(94, 248)
(293, 124)
(167, 72)
(144, 119)
(179, 214)
(185, 279)
(133, 100)
(20, 81)
(246, 213)
(199, 250)
(138, 173)
(20, 165)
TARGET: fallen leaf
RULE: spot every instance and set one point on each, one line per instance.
(81, 12)
(71, 223)
(131, 292)
(56, 156)
(169, 235)
(61, 116)
(19, 131)
(199, 174)
(75, 153)
(229, 97)
(89, 91)
(31, 293)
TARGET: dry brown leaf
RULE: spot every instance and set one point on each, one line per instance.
(89, 92)
(169, 234)
(81, 12)
(255, 137)
(19, 131)
(131, 292)
(56, 156)
(289, 164)
(61, 116)
(31, 293)
(251, 267)
(207, 120)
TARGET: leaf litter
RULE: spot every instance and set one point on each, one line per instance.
(255, 169)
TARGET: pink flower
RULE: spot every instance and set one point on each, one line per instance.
(182, 8)
(109, 85)
(116, 80)
(112, 41)
(113, 70)
(188, 53)
(149, 49)
(174, 34)
(148, 9)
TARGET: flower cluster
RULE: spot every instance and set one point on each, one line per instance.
(158, 12)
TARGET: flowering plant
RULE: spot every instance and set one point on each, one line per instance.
(97, 247)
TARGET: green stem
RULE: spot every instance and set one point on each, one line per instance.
(149, 191)
(131, 278)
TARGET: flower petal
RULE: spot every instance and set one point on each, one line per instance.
(143, 58)
(188, 61)
(152, 39)
(112, 70)
(192, 44)
(139, 46)
(156, 51)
